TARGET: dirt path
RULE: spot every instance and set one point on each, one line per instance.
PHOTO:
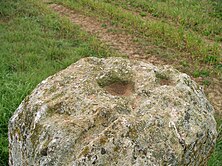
(121, 42)
(124, 43)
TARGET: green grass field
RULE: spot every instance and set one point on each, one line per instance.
(36, 42)
(202, 16)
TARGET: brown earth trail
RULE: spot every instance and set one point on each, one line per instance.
(125, 44)
(119, 41)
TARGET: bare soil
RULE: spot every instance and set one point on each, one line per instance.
(121, 42)
(120, 89)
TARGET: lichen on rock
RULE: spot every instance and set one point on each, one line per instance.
(113, 111)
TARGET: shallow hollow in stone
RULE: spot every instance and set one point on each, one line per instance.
(120, 88)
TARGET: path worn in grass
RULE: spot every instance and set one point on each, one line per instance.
(126, 45)
(121, 42)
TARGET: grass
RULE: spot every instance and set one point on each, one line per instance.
(216, 157)
(188, 44)
(35, 43)
(202, 16)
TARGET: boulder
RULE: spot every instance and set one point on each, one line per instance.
(113, 111)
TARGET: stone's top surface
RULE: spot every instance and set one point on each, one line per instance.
(113, 112)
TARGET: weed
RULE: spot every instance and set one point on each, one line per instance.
(211, 59)
(201, 73)
(184, 63)
(104, 25)
(206, 82)
(143, 14)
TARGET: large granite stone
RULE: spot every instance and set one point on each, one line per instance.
(113, 112)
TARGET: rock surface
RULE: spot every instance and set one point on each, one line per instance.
(113, 112)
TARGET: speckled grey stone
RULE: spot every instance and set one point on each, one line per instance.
(113, 112)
